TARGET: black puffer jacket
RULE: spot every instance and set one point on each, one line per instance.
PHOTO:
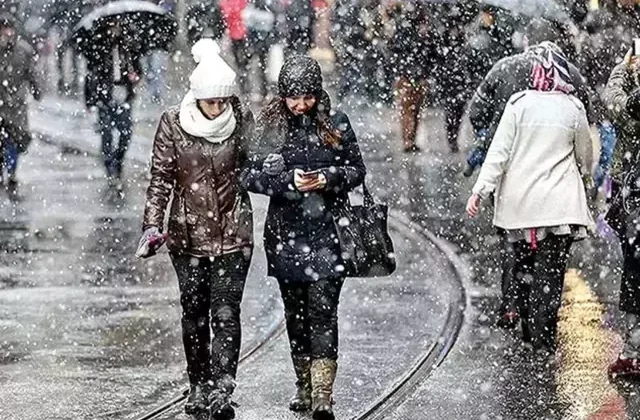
(300, 236)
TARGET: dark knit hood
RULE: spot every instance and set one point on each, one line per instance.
(300, 75)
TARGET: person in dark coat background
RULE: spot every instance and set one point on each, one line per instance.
(314, 162)
(414, 52)
(113, 71)
(463, 46)
(204, 20)
(300, 17)
(18, 76)
(260, 17)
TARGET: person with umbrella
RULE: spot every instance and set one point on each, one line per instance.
(113, 71)
(18, 76)
(113, 38)
(314, 162)
(198, 151)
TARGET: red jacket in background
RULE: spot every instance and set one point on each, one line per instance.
(232, 13)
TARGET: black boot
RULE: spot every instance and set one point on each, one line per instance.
(301, 401)
(220, 405)
(198, 400)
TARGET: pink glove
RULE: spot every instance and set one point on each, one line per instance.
(151, 241)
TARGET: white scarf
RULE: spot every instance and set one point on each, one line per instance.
(195, 123)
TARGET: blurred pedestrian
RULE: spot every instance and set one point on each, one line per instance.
(314, 162)
(468, 39)
(539, 156)
(622, 97)
(204, 20)
(18, 76)
(300, 17)
(197, 154)
(358, 36)
(259, 17)
(113, 71)
(158, 62)
(232, 11)
(414, 51)
(64, 17)
(487, 39)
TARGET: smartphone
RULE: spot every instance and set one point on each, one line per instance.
(312, 174)
(636, 47)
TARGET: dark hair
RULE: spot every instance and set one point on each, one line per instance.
(277, 116)
(540, 30)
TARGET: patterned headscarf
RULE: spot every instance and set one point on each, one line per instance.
(550, 70)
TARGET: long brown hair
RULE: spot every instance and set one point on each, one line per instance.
(329, 134)
(275, 119)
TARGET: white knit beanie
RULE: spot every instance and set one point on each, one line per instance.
(213, 77)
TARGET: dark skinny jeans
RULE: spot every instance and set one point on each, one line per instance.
(311, 312)
(539, 299)
(210, 294)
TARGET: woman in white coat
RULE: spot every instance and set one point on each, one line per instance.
(535, 168)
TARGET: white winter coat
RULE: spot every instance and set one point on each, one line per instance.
(539, 155)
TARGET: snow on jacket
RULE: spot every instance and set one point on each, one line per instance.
(299, 234)
(209, 214)
(541, 151)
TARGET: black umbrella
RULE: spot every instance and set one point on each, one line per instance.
(142, 23)
(548, 9)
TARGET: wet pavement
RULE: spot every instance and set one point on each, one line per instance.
(86, 330)
(90, 332)
(489, 374)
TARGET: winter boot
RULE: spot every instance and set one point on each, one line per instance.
(220, 405)
(509, 320)
(323, 374)
(628, 363)
(302, 400)
(197, 401)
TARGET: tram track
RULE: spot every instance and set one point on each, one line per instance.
(424, 365)
(274, 332)
(429, 361)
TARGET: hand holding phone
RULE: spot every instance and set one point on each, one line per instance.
(309, 181)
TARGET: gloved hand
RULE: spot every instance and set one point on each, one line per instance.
(151, 241)
(274, 164)
(475, 159)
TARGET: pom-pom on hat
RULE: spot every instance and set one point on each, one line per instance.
(213, 77)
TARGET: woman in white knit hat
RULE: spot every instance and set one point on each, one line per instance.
(198, 151)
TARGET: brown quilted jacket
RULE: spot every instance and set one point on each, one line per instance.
(210, 215)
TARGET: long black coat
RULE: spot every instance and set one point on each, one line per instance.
(300, 235)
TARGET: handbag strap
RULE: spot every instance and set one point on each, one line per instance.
(368, 198)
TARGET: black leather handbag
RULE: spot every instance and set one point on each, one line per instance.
(365, 244)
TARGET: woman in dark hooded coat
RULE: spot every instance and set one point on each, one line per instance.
(313, 162)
